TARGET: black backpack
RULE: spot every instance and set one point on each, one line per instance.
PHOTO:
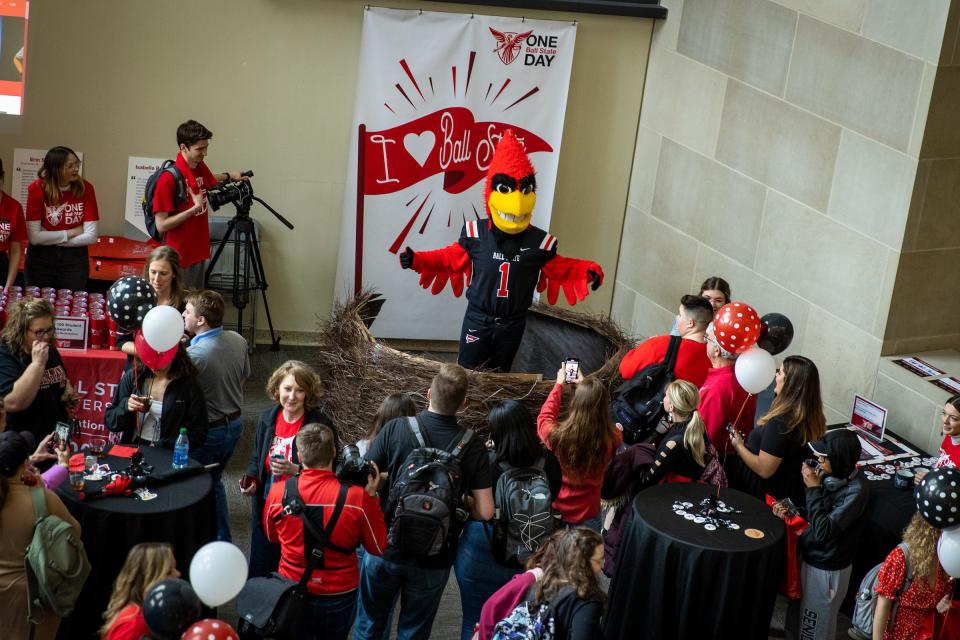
(524, 516)
(179, 196)
(638, 403)
(425, 498)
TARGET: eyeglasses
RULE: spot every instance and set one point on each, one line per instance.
(43, 333)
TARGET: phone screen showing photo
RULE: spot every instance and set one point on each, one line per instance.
(571, 369)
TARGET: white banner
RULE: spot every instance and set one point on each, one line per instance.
(26, 163)
(434, 93)
(138, 171)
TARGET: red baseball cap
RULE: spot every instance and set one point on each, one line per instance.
(154, 359)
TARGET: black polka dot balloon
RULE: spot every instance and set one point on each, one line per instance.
(128, 301)
(938, 497)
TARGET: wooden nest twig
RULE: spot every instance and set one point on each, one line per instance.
(358, 371)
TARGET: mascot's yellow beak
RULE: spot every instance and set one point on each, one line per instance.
(511, 211)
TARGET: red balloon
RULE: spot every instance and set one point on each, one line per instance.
(736, 327)
(209, 629)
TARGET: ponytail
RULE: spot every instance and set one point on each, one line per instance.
(695, 438)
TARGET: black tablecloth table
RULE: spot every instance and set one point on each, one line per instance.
(182, 514)
(675, 579)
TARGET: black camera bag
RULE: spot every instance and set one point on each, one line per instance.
(273, 606)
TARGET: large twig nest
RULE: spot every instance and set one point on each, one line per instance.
(358, 371)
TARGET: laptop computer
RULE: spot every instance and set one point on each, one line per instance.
(868, 418)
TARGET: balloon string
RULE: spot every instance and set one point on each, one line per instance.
(734, 425)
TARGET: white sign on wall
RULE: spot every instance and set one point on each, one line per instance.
(26, 163)
(435, 91)
(138, 171)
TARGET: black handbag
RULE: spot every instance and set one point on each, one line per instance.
(274, 606)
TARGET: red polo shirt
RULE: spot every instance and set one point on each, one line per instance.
(12, 226)
(721, 400)
(192, 238)
(692, 361)
(361, 521)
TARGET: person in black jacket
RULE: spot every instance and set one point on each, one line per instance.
(157, 397)
(296, 389)
(836, 501)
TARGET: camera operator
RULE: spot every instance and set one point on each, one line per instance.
(184, 223)
(332, 589)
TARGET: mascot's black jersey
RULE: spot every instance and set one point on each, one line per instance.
(506, 267)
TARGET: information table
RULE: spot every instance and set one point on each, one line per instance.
(676, 579)
(182, 514)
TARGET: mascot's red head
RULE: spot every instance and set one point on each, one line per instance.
(510, 191)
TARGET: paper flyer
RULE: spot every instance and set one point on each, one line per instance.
(138, 171)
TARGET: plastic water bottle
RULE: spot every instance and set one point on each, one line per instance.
(181, 450)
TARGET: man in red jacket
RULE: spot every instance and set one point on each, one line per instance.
(332, 589)
(694, 315)
(722, 399)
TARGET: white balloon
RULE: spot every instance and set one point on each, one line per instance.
(948, 550)
(162, 327)
(755, 369)
(217, 572)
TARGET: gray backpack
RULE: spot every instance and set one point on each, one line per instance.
(524, 517)
(866, 602)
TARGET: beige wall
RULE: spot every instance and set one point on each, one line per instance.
(275, 81)
(778, 147)
(922, 315)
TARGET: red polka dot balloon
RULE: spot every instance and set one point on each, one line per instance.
(736, 326)
(210, 629)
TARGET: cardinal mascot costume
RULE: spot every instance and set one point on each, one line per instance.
(502, 260)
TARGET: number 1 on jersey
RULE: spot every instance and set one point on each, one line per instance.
(503, 291)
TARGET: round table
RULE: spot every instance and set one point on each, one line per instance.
(676, 579)
(183, 514)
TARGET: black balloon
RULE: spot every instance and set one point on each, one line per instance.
(170, 607)
(776, 333)
(938, 497)
(128, 301)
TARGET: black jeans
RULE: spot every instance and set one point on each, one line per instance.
(57, 267)
(489, 342)
(329, 617)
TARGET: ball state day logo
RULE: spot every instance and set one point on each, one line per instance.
(437, 134)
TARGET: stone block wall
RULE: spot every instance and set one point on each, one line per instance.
(778, 147)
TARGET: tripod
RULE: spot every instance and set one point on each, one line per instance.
(241, 232)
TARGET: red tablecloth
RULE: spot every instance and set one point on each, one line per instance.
(95, 374)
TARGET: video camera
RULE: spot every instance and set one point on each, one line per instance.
(240, 192)
(354, 469)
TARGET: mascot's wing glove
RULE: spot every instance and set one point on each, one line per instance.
(572, 275)
(406, 258)
(436, 268)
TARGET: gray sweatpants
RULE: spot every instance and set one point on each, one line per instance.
(815, 617)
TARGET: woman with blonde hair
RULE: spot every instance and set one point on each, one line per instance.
(775, 450)
(296, 388)
(162, 270)
(146, 564)
(682, 456)
(927, 595)
(61, 219)
(584, 443)
(33, 380)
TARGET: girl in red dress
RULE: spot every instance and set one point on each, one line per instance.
(927, 594)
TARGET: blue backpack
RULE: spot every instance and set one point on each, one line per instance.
(526, 622)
